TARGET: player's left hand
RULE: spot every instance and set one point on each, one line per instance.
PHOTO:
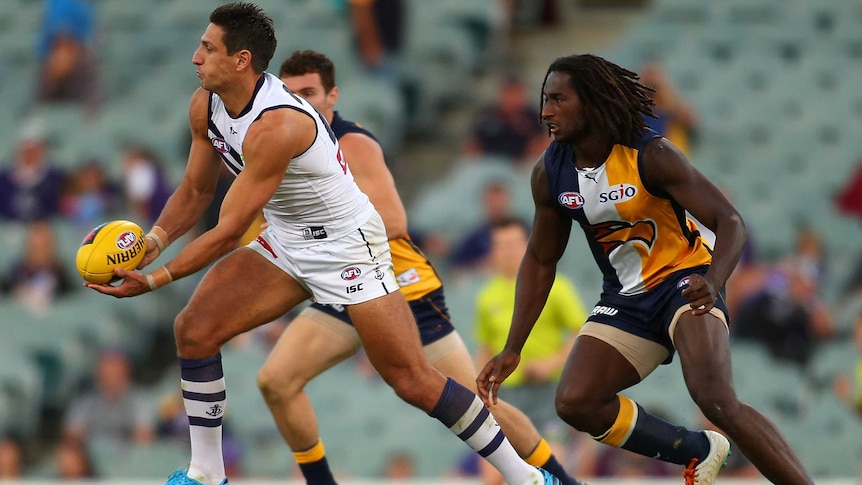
(134, 284)
(701, 293)
(494, 373)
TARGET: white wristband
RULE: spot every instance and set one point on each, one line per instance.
(159, 236)
(151, 281)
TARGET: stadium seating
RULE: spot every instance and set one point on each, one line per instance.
(774, 80)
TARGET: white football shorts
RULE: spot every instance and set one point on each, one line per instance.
(351, 269)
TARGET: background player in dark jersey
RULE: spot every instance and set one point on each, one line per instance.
(323, 335)
(629, 189)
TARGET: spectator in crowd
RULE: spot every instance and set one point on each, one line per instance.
(30, 186)
(68, 69)
(91, 198)
(533, 384)
(11, 459)
(73, 462)
(399, 466)
(848, 200)
(787, 313)
(473, 250)
(145, 184)
(115, 410)
(848, 387)
(39, 276)
(675, 118)
(509, 127)
(378, 29)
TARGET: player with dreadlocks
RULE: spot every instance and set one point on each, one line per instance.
(629, 190)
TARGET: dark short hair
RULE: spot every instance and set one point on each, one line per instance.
(309, 62)
(247, 26)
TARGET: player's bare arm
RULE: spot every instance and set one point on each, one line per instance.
(197, 188)
(667, 171)
(548, 241)
(269, 145)
(368, 166)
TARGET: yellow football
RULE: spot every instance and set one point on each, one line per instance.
(115, 244)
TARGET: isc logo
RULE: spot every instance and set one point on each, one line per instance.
(126, 240)
(620, 193)
(572, 200)
(220, 145)
(351, 273)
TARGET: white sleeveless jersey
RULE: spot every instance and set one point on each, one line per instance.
(317, 198)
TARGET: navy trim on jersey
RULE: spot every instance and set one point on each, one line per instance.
(250, 104)
(297, 108)
(234, 164)
(678, 211)
(652, 190)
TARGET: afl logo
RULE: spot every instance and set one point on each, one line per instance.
(221, 145)
(572, 200)
(126, 240)
(683, 283)
(351, 273)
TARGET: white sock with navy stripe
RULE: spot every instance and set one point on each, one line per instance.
(464, 414)
(204, 398)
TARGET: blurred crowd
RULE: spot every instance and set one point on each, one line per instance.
(776, 301)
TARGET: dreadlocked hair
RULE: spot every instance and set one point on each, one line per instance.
(612, 96)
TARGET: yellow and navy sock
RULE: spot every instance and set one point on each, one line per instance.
(543, 457)
(645, 434)
(313, 465)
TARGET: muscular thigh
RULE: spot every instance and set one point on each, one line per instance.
(595, 371)
(312, 343)
(240, 292)
(388, 332)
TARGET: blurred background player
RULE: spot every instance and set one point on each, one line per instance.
(323, 335)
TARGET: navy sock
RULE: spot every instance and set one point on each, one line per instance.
(317, 472)
(657, 438)
(553, 466)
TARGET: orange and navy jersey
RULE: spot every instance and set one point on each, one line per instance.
(415, 274)
(637, 238)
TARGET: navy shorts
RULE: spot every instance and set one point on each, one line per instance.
(430, 311)
(649, 314)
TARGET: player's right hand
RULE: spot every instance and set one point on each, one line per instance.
(494, 373)
(151, 253)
